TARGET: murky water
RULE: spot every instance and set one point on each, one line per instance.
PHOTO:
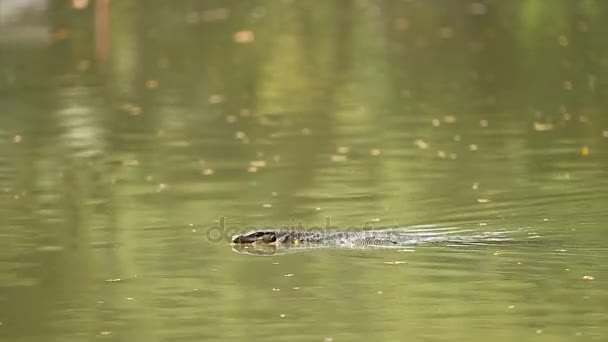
(128, 129)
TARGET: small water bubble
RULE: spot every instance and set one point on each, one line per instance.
(282, 315)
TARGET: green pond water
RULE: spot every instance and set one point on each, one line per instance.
(128, 129)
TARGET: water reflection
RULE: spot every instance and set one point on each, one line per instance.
(127, 137)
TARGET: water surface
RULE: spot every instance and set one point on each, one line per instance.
(128, 129)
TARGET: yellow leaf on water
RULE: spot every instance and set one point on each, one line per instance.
(585, 151)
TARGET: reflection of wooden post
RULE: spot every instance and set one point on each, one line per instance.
(102, 31)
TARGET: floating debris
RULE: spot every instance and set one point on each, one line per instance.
(130, 162)
(374, 152)
(511, 307)
(478, 8)
(216, 98)
(588, 277)
(473, 147)
(585, 151)
(436, 122)
(83, 65)
(282, 315)
(343, 150)
(257, 163)
(207, 172)
(152, 84)
(401, 24)
(338, 158)
(449, 119)
(542, 126)
(267, 205)
(395, 262)
(379, 292)
(274, 289)
(562, 40)
(483, 200)
(17, 139)
(446, 32)
(483, 123)
(244, 37)
(114, 280)
(288, 275)
(421, 144)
